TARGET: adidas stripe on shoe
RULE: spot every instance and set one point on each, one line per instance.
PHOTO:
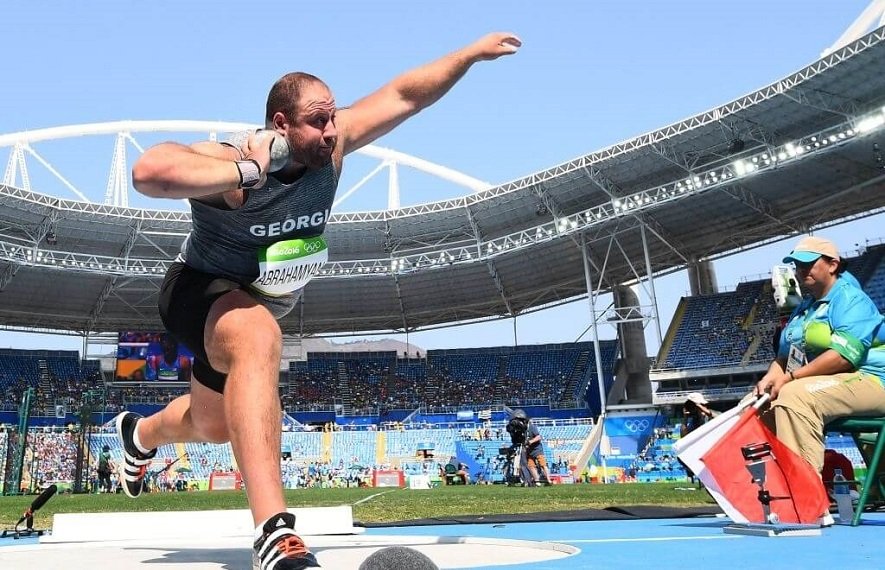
(279, 548)
(134, 461)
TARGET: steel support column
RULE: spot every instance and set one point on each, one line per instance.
(591, 297)
(649, 273)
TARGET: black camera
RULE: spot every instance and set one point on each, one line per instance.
(518, 428)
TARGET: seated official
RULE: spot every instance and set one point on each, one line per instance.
(457, 471)
(831, 355)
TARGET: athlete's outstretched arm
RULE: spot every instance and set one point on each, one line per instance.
(173, 170)
(409, 93)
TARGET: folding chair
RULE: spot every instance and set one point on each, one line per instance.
(865, 431)
(452, 477)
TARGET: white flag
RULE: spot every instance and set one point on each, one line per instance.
(695, 445)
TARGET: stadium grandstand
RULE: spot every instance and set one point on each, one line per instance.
(602, 226)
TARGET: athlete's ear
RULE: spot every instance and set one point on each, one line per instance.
(279, 121)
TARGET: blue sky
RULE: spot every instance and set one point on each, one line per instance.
(589, 74)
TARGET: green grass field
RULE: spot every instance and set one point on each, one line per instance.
(383, 504)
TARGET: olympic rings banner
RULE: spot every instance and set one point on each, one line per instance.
(629, 426)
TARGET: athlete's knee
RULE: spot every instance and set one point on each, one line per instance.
(260, 342)
(212, 430)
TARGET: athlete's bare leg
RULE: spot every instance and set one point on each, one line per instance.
(244, 341)
(198, 416)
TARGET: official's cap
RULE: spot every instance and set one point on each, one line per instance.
(810, 248)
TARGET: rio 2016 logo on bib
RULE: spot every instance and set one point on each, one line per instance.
(287, 266)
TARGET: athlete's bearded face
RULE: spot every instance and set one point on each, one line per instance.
(312, 134)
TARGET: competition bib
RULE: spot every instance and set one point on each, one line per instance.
(287, 266)
(168, 371)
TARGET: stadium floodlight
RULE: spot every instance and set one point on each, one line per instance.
(870, 123)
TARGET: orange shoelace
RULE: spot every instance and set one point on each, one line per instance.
(292, 546)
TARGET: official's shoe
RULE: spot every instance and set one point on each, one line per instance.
(279, 548)
(134, 462)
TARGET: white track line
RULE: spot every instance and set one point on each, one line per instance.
(650, 539)
(370, 497)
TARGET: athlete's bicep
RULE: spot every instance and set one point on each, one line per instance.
(372, 117)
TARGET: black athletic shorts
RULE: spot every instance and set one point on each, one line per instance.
(185, 299)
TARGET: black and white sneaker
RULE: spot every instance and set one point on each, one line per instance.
(134, 462)
(279, 548)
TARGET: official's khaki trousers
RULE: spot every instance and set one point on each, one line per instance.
(804, 406)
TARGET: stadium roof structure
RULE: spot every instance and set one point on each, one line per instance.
(794, 155)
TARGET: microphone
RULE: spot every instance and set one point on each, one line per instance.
(398, 558)
(35, 506)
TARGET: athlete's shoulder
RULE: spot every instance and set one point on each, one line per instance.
(237, 139)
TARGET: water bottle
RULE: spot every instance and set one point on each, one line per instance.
(842, 496)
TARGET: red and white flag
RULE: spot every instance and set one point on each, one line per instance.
(798, 495)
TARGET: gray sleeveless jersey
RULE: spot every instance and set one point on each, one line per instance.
(272, 244)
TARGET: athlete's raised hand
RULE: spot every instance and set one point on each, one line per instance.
(495, 45)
